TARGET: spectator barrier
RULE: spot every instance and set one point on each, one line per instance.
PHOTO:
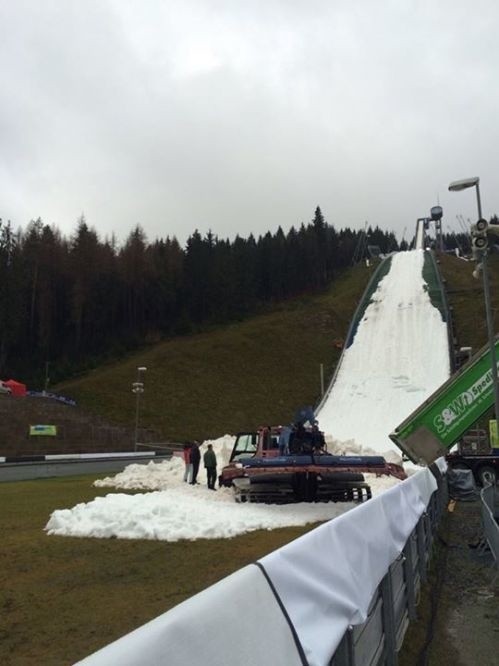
(339, 595)
(489, 520)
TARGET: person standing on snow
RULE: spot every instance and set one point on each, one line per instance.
(195, 460)
(187, 460)
(210, 462)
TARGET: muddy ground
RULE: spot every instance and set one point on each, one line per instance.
(459, 606)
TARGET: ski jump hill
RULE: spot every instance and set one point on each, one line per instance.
(397, 353)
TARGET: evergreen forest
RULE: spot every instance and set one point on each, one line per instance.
(76, 302)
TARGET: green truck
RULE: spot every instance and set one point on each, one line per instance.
(443, 419)
(474, 453)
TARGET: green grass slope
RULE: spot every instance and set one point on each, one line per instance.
(233, 378)
(465, 295)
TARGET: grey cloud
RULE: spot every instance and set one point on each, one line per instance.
(240, 118)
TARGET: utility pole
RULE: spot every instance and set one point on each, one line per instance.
(138, 389)
(479, 243)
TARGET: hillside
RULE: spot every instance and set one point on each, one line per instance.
(465, 295)
(229, 379)
(78, 431)
(200, 386)
(232, 378)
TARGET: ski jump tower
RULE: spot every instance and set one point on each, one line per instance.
(423, 224)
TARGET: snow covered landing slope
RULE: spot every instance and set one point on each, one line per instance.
(398, 357)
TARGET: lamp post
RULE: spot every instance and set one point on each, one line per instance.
(457, 186)
(138, 389)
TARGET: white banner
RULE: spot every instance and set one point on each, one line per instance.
(327, 578)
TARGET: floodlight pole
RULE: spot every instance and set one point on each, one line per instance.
(138, 389)
(456, 187)
(478, 200)
(490, 331)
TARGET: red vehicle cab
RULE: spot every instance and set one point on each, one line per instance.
(259, 471)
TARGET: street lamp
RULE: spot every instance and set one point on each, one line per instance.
(457, 186)
(138, 389)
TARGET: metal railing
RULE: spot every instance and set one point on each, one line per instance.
(446, 311)
(169, 447)
(489, 520)
(379, 639)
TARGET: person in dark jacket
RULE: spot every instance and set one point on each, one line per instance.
(210, 462)
(318, 441)
(195, 460)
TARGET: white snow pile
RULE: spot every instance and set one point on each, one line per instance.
(168, 473)
(398, 357)
(171, 515)
(153, 476)
(177, 510)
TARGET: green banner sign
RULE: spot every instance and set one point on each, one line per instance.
(50, 430)
(441, 420)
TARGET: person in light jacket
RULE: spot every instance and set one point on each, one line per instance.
(186, 453)
(284, 440)
(210, 462)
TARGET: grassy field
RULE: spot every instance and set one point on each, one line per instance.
(62, 598)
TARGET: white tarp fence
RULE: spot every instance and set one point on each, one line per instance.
(294, 606)
(327, 578)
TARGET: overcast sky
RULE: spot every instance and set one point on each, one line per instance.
(242, 116)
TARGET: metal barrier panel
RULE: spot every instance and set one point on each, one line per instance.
(400, 605)
(421, 543)
(368, 638)
(490, 525)
(364, 644)
(378, 640)
(412, 547)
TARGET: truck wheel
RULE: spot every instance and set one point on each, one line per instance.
(487, 476)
